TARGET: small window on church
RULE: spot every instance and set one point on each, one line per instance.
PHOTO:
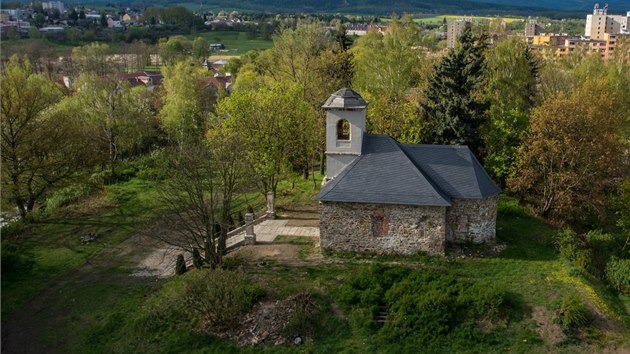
(343, 130)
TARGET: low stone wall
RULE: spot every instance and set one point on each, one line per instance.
(379, 228)
(472, 220)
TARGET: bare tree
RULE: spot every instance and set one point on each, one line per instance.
(202, 182)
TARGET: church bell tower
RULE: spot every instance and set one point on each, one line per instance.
(345, 126)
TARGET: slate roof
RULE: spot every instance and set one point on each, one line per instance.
(345, 99)
(388, 172)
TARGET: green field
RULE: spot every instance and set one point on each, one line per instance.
(236, 43)
(450, 18)
(62, 48)
(197, 7)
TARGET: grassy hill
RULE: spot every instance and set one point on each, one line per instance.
(80, 298)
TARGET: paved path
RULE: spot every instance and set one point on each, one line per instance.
(161, 262)
(268, 230)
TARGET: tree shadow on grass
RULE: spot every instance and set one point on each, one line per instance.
(526, 237)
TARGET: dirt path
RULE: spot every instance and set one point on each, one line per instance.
(146, 259)
(24, 332)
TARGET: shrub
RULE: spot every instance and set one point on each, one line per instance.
(180, 265)
(424, 306)
(572, 313)
(618, 274)
(251, 295)
(126, 174)
(103, 177)
(196, 257)
(602, 247)
(619, 203)
(217, 298)
(571, 247)
(232, 262)
(67, 196)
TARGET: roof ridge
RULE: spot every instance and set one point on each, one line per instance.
(425, 175)
(328, 187)
(474, 164)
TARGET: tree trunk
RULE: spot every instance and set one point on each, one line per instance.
(322, 164)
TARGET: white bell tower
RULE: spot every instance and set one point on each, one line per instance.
(345, 126)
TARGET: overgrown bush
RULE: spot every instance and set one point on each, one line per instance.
(367, 288)
(424, 305)
(619, 202)
(573, 248)
(618, 274)
(602, 246)
(573, 313)
(126, 174)
(233, 262)
(217, 298)
(67, 196)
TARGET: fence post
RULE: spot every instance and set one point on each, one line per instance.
(271, 208)
(250, 236)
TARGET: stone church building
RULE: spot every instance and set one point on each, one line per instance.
(382, 196)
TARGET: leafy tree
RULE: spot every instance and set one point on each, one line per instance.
(173, 49)
(510, 88)
(92, 58)
(453, 105)
(387, 64)
(573, 149)
(398, 117)
(187, 103)
(200, 48)
(273, 125)
(103, 21)
(302, 56)
(119, 116)
(40, 149)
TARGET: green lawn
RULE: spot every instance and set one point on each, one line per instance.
(54, 241)
(236, 43)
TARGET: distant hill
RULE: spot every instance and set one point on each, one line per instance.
(550, 8)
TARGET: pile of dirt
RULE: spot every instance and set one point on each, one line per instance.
(268, 322)
(550, 332)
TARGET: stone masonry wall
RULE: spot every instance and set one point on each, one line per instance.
(472, 220)
(379, 228)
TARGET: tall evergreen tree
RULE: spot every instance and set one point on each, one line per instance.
(454, 107)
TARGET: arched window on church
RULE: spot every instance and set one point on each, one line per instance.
(343, 130)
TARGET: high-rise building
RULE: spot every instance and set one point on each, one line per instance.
(52, 5)
(600, 22)
(532, 28)
(455, 29)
